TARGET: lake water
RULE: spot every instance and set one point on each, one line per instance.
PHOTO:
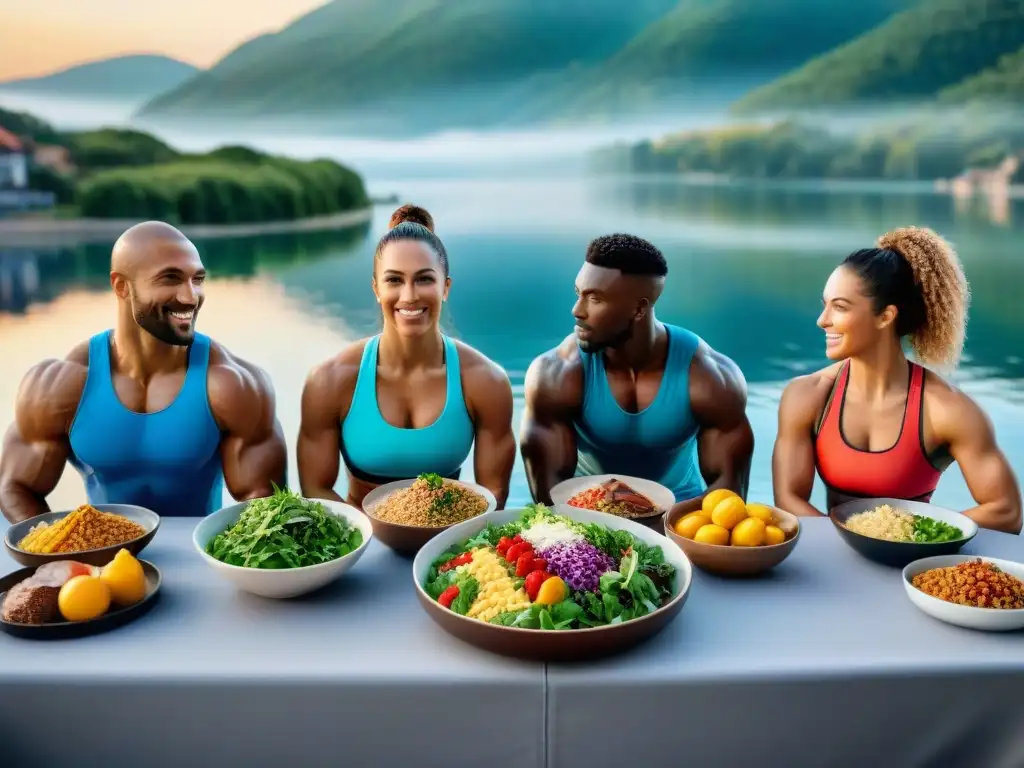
(746, 270)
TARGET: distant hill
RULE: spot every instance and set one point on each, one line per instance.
(123, 77)
(910, 58)
(427, 63)
(713, 50)
(1002, 83)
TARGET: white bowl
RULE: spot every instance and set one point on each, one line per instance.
(662, 497)
(282, 582)
(988, 619)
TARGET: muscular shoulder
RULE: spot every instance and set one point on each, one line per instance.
(556, 376)
(480, 374)
(50, 392)
(804, 397)
(240, 391)
(948, 409)
(332, 382)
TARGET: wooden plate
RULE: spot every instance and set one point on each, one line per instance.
(60, 630)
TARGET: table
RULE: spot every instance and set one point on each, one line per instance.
(823, 663)
(355, 675)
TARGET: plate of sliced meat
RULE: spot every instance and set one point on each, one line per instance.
(631, 497)
(67, 598)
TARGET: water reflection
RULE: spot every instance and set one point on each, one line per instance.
(39, 275)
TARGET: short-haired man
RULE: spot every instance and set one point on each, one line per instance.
(629, 395)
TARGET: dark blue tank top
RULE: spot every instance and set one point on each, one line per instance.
(168, 461)
(660, 442)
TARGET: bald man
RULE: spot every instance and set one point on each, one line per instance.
(628, 395)
(150, 413)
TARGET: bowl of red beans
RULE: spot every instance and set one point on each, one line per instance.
(968, 591)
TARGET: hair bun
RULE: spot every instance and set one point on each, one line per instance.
(411, 213)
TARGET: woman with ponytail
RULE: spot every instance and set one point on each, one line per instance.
(875, 424)
(409, 400)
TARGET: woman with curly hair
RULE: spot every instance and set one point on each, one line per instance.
(874, 424)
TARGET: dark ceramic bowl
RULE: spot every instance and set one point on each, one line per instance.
(406, 540)
(725, 560)
(61, 630)
(897, 553)
(149, 520)
(552, 645)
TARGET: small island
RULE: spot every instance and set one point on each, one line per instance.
(117, 174)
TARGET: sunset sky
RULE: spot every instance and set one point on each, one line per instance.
(41, 36)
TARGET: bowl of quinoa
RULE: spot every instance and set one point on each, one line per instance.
(896, 532)
(408, 513)
(91, 534)
(968, 591)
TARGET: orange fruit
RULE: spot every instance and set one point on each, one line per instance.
(688, 526)
(748, 532)
(124, 578)
(712, 534)
(729, 512)
(83, 598)
(552, 591)
(773, 535)
(713, 499)
(762, 512)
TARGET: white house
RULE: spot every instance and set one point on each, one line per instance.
(13, 161)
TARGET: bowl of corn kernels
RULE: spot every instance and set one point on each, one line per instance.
(90, 534)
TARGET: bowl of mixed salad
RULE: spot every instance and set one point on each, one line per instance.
(552, 585)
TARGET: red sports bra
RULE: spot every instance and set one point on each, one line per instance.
(900, 472)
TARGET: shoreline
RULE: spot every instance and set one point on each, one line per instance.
(43, 231)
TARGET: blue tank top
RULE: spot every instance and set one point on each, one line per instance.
(379, 452)
(168, 461)
(660, 442)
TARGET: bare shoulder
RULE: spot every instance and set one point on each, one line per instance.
(556, 376)
(804, 397)
(949, 409)
(232, 377)
(50, 392)
(717, 375)
(480, 373)
(330, 385)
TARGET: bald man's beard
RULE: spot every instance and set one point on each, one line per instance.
(155, 320)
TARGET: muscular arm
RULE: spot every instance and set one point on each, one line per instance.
(725, 442)
(35, 448)
(972, 443)
(547, 440)
(320, 435)
(793, 456)
(253, 449)
(489, 394)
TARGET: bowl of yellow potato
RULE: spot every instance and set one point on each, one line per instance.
(729, 537)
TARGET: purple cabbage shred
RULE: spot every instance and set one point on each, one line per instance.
(580, 564)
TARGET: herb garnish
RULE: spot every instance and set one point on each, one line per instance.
(931, 531)
(284, 531)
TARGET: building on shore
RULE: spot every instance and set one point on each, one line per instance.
(13, 161)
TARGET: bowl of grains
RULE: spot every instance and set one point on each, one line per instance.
(91, 534)
(896, 532)
(406, 514)
(968, 591)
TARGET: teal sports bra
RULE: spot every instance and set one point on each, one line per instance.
(378, 452)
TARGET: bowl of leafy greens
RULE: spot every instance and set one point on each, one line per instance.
(545, 584)
(283, 545)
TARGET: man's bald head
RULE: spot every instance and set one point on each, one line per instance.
(157, 273)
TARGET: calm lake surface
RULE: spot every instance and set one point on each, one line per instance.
(746, 270)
